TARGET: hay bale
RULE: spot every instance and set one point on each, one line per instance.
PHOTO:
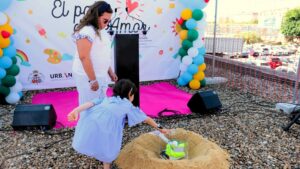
(143, 153)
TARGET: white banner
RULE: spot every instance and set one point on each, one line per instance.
(43, 31)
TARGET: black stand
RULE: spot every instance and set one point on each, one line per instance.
(127, 60)
(294, 119)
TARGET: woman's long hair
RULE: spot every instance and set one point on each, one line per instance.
(92, 15)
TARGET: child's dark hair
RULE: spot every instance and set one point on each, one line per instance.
(123, 87)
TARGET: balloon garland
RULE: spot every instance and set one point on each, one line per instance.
(192, 49)
(10, 87)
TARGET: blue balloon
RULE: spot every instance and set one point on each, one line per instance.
(12, 41)
(187, 77)
(2, 73)
(181, 81)
(5, 4)
(198, 60)
(191, 23)
(194, 4)
(202, 51)
(10, 51)
(192, 68)
(20, 93)
(5, 62)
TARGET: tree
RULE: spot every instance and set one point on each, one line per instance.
(290, 26)
(249, 37)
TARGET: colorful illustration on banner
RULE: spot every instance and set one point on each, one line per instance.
(172, 5)
(36, 77)
(131, 5)
(134, 8)
(23, 57)
(176, 28)
(30, 12)
(27, 40)
(54, 56)
(159, 11)
(161, 52)
(42, 32)
(66, 57)
(62, 35)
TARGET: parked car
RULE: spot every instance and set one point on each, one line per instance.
(265, 52)
(274, 63)
(244, 55)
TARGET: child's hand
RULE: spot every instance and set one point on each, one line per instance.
(165, 131)
(73, 116)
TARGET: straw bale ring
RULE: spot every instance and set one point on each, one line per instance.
(143, 153)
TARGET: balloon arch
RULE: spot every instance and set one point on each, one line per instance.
(191, 33)
(10, 87)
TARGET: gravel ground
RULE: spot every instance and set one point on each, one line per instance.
(248, 127)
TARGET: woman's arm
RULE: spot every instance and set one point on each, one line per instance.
(73, 115)
(84, 49)
(112, 75)
(152, 123)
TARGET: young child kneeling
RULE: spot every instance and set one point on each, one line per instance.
(99, 130)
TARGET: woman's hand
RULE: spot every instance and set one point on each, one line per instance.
(73, 115)
(94, 86)
(113, 76)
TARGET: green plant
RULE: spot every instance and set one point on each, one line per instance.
(290, 26)
(250, 37)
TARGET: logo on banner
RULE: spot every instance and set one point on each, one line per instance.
(36, 77)
(61, 76)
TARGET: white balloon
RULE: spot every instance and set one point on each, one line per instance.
(12, 98)
(16, 88)
(182, 67)
(200, 34)
(192, 52)
(198, 43)
(3, 18)
(187, 60)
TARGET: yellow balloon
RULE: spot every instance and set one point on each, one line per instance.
(186, 14)
(7, 28)
(183, 34)
(194, 84)
(1, 52)
(199, 75)
(202, 67)
(4, 42)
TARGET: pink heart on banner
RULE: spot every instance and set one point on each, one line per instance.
(131, 5)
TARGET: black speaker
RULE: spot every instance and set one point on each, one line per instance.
(41, 116)
(204, 102)
(127, 60)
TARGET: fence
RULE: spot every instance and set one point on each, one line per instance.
(228, 45)
(273, 85)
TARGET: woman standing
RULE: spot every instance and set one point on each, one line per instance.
(92, 62)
